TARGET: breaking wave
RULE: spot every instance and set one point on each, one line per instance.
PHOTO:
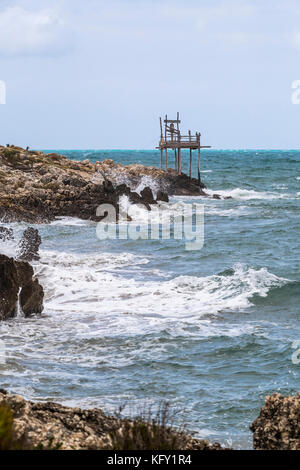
(97, 285)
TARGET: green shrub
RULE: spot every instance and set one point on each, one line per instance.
(6, 428)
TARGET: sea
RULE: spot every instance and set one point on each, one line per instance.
(138, 322)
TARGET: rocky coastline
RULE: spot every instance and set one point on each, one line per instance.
(36, 187)
(49, 425)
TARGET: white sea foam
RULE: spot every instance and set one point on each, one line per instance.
(70, 221)
(159, 213)
(87, 287)
(147, 180)
(248, 194)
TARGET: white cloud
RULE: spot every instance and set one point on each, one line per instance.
(28, 32)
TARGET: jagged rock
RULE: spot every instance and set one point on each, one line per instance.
(278, 425)
(28, 248)
(6, 234)
(17, 284)
(31, 298)
(31, 294)
(50, 425)
(9, 288)
(161, 196)
(147, 195)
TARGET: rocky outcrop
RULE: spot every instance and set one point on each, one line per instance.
(50, 425)
(37, 187)
(9, 287)
(161, 196)
(18, 289)
(28, 248)
(278, 425)
(6, 234)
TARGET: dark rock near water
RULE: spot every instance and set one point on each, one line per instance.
(18, 286)
(278, 425)
(147, 196)
(9, 288)
(6, 234)
(161, 196)
(29, 245)
(31, 294)
(31, 298)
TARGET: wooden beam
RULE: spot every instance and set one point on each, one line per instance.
(199, 178)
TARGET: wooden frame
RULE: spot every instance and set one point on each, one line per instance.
(171, 138)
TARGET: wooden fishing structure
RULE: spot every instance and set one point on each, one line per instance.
(171, 138)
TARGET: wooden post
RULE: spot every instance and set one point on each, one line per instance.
(166, 129)
(199, 145)
(179, 154)
(191, 152)
(161, 158)
(176, 162)
(166, 158)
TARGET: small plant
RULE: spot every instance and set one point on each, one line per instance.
(50, 445)
(150, 431)
(6, 428)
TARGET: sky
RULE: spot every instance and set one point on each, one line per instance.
(98, 74)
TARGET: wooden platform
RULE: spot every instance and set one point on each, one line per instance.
(171, 138)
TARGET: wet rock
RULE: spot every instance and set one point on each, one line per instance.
(216, 196)
(28, 248)
(31, 294)
(6, 234)
(17, 284)
(9, 288)
(161, 196)
(147, 196)
(31, 298)
(278, 425)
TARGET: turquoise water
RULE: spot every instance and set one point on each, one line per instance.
(140, 321)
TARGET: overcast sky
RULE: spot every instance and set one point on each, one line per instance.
(98, 74)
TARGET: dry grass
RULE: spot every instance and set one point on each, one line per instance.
(151, 430)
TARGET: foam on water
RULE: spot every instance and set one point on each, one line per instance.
(246, 194)
(147, 180)
(79, 285)
(70, 221)
(134, 320)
